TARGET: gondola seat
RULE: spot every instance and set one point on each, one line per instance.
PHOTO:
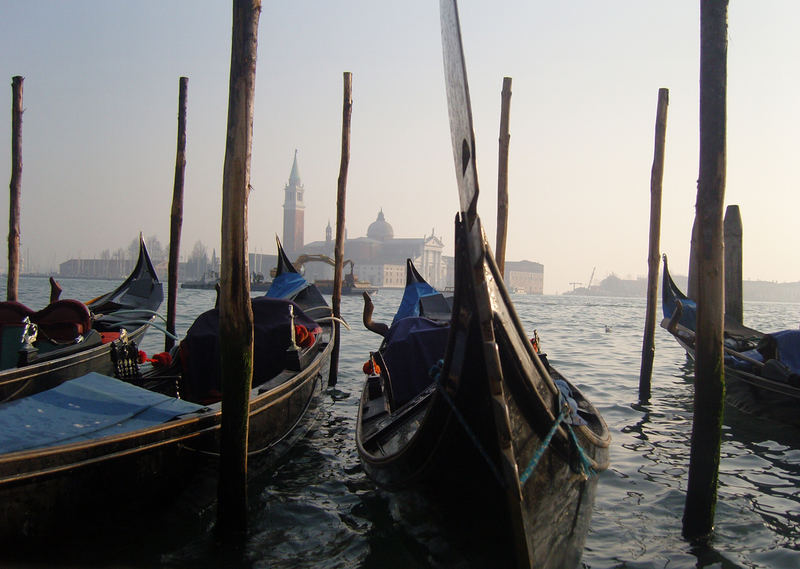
(63, 321)
(13, 312)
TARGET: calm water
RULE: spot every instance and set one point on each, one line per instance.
(319, 510)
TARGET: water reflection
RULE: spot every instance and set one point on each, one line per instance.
(318, 509)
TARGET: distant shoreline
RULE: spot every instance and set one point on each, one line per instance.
(752, 291)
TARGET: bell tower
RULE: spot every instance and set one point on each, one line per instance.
(293, 212)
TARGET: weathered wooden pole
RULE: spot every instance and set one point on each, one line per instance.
(709, 387)
(347, 111)
(732, 228)
(653, 257)
(15, 188)
(502, 177)
(235, 311)
(176, 216)
(693, 284)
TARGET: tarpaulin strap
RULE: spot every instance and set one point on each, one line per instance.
(436, 373)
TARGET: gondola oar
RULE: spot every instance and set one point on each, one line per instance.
(463, 140)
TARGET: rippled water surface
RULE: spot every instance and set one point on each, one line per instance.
(317, 509)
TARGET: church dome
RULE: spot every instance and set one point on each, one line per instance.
(380, 229)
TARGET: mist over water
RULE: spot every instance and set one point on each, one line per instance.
(318, 509)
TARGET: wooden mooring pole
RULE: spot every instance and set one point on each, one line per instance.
(693, 284)
(709, 386)
(341, 192)
(176, 216)
(15, 188)
(235, 311)
(502, 177)
(653, 257)
(732, 227)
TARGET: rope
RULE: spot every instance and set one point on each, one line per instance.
(435, 373)
(543, 447)
(131, 311)
(585, 462)
(152, 325)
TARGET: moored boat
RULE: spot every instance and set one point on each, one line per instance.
(68, 338)
(73, 451)
(762, 370)
(458, 401)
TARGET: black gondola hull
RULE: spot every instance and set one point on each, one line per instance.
(47, 491)
(450, 441)
(131, 306)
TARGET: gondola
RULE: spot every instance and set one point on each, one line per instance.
(465, 409)
(67, 338)
(762, 371)
(98, 442)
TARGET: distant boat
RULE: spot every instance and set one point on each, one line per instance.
(211, 285)
(350, 282)
(349, 286)
(202, 285)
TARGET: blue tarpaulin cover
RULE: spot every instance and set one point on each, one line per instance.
(413, 345)
(84, 408)
(788, 342)
(287, 285)
(688, 315)
(409, 306)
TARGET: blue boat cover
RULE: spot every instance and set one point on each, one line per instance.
(744, 365)
(788, 347)
(287, 285)
(200, 349)
(88, 407)
(688, 314)
(412, 347)
(409, 306)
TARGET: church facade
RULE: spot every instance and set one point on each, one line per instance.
(380, 257)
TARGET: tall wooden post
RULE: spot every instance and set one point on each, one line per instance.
(15, 188)
(502, 177)
(176, 217)
(709, 390)
(653, 258)
(235, 311)
(347, 110)
(732, 227)
(693, 282)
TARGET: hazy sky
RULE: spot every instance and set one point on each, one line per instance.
(101, 90)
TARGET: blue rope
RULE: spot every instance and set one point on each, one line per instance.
(543, 447)
(585, 462)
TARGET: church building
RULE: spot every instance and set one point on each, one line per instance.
(293, 212)
(379, 257)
